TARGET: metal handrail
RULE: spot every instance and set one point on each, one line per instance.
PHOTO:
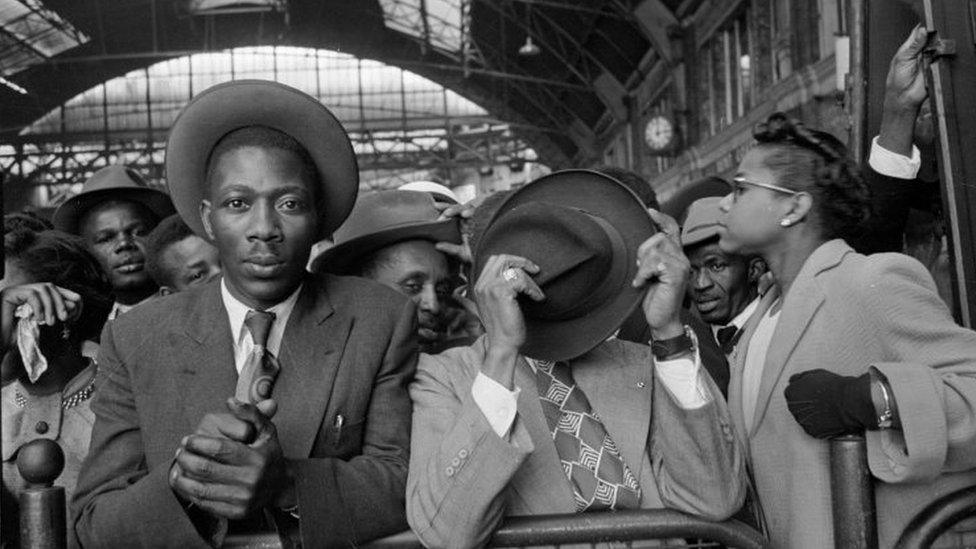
(620, 526)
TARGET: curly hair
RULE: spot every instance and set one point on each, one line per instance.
(818, 163)
(64, 260)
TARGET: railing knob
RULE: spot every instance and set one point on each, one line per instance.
(40, 462)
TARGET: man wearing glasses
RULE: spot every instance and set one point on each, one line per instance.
(724, 286)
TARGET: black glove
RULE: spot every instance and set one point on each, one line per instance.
(827, 405)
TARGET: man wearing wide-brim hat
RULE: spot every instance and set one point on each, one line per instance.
(544, 414)
(114, 212)
(280, 393)
(390, 237)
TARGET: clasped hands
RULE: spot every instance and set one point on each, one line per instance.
(233, 464)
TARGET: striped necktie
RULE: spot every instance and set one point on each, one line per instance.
(590, 459)
(260, 368)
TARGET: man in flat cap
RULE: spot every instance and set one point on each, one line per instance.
(114, 213)
(390, 237)
(547, 415)
(269, 396)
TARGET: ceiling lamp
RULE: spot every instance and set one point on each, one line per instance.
(528, 49)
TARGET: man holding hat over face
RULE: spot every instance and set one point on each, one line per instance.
(544, 414)
(389, 238)
(267, 398)
(114, 213)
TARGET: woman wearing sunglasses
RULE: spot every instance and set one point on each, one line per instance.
(846, 344)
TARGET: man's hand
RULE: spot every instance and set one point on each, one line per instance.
(221, 474)
(904, 93)
(827, 405)
(502, 279)
(463, 212)
(50, 304)
(664, 268)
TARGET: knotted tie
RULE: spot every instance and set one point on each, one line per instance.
(727, 338)
(590, 459)
(260, 367)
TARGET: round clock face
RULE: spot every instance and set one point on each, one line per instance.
(659, 133)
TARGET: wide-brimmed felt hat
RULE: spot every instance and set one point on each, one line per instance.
(582, 229)
(703, 222)
(441, 193)
(219, 110)
(383, 218)
(114, 182)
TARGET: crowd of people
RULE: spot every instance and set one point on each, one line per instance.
(264, 349)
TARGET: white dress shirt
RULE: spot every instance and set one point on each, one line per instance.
(236, 311)
(681, 377)
(893, 164)
(740, 319)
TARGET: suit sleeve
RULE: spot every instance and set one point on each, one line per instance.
(118, 502)
(930, 364)
(891, 198)
(332, 492)
(459, 467)
(695, 455)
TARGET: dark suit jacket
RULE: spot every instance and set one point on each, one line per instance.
(891, 199)
(348, 349)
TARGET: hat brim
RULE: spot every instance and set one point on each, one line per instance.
(701, 235)
(233, 105)
(343, 258)
(604, 197)
(68, 215)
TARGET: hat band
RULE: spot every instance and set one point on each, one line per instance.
(601, 290)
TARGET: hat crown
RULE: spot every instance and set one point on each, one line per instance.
(114, 177)
(384, 210)
(573, 249)
(703, 222)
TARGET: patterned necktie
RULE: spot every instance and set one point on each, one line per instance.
(260, 368)
(727, 338)
(590, 459)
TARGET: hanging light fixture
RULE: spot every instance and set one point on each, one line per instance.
(528, 49)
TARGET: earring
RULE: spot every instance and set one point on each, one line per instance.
(785, 222)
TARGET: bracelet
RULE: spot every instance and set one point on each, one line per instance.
(886, 419)
(293, 511)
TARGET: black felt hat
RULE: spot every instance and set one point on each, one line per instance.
(583, 230)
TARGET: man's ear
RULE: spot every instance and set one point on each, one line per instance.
(205, 211)
(756, 268)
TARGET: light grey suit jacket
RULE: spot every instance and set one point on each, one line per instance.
(846, 312)
(464, 478)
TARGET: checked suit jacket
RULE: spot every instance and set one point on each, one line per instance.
(348, 349)
(464, 478)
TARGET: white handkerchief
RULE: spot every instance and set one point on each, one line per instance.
(28, 333)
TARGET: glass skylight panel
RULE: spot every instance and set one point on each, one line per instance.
(30, 33)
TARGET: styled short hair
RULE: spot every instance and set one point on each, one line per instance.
(169, 231)
(634, 182)
(64, 260)
(265, 138)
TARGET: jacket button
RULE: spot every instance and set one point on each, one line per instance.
(449, 471)
(41, 427)
(463, 454)
(455, 462)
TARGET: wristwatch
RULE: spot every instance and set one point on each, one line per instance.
(673, 347)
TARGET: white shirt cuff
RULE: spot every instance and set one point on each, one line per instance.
(682, 378)
(893, 164)
(497, 403)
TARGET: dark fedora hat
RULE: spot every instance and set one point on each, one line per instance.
(114, 182)
(223, 108)
(583, 229)
(380, 219)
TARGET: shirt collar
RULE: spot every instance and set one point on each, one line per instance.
(236, 311)
(740, 319)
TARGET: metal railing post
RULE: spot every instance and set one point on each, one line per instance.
(43, 523)
(852, 491)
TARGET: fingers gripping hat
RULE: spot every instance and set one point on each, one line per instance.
(219, 110)
(583, 230)
(110, 183)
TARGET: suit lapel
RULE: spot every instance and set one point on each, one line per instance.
(799, 307)
(207, 376)
(738, 358)
(619, 390)
(540, 482)
(311, 351)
